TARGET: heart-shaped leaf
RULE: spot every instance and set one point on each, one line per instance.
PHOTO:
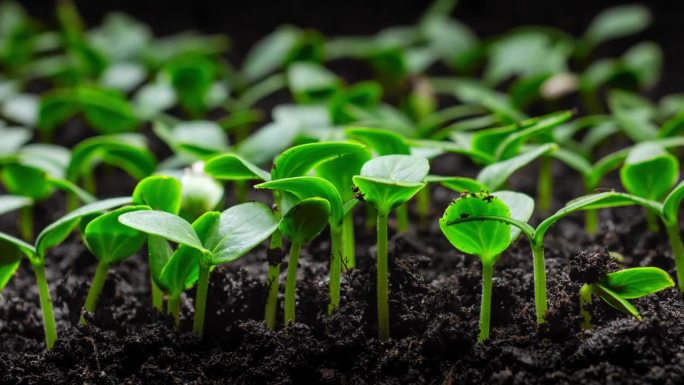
(305, 220)
(159, 192)
(111, 241)
(304, 187)
(638, 176)
(163, 224)
(234, 167)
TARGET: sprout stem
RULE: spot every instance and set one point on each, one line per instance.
(545, 184)
(291, 284)
(272, 300)
(46, 306)
(157, 296)
(95, 289)
(585, 298)
(89, 183)
(401, 213)
(335, 268)
(677, 251)
(201, 298)
(539, 281)
(173, 308)
(240, 188)
(652, 221)
(486, 304)
(26, 223)
(423, 203)
(383, 280)
(348, 246)
(591, 221)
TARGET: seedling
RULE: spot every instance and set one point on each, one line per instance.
(200, 192)
(385, 183)
(617, 288)
(161, 193)
(51, 236)
(192, 77)
(216, 238)
(301, 224)
(486, 240)
(536, 236)
(109, 241)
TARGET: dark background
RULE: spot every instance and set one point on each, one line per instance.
(247, 20)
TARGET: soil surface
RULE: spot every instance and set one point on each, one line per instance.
(435, 298)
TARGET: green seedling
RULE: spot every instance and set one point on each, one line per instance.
(11, 255)
(161, 193)
(215, 239)
(232, 167)
(312, 83)
(200, 194)
(193, 140)
(192, 77)
(536, 236)
(301, 224)
(486, 240)
(109, 241)
(385, 183)
(617, 288)
(51, 236)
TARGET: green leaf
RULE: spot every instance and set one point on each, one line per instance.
(637, 282)
(485, 239)
(312, 83)
(13, 138)
(616, 301)
(197, 139)
(389, 181)
(672, 203)
(57, 231)
(9, 203)
(645, 60)
(107, 112)
(234, 167)
(617, 22)
(495, 175)
(192, 77)
(305, 220)
(383, 142)
(260, 148)
(240, 229)
(457, 183)
(638, 176)
(111, 241)
(55, 108)
(121, 151)
(270, 53)
(340, 171)
(163, 224)
(299, 160)
(634, 115)
(10, 259)
(27, 181)
(521, 207)
(304, 187)
(159, 192)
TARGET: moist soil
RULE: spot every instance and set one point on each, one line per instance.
(434, 303)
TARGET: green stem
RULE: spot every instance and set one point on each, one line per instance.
(677, 251)
(371, 214)
(335, 268)
(539, 282)
(201, 298)
(72, 202)
(291, 284)
(240, 188)
(585, 298)
(95, 289)
(89, 183)
(46, 306)
(486, 304)
(272, 300)
(157, 296)
(173, 309)
(348, 242)
(652, 221)
(383, 279)
(591, 221)
(26, 223)
(545, 184)
(401, 213)
(423, 206)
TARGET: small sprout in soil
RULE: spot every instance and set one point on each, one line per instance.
(217, 238)
(109, 241)
(485, 239)
(387, 182)
(617, 288)
(201, 193)
(301, 224)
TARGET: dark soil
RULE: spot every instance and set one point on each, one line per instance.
(435, 294)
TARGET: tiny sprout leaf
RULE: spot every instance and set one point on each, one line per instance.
(637, 282)
(672, 203)
(10, 258)
(639, 175)
(111, 241)
(521, 207)
(616, 301)
(304, 187)
(299, 160)
(383, 142)
(485, 239)
(159, 192)
(27, 180)
(9, 203)
(127, 152)
(163, 224)
(305, 220)
(234, 167)
(495, 175)
(389, 181)
(617, 22)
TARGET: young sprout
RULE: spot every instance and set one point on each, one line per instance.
(536, 236)
(51, 236)
(385, 183)
(109, 241)
(486, 240)
(301, 224)
(617, 288)
(192, 76)
(217, 238)
(161, 193)
(200, 192)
